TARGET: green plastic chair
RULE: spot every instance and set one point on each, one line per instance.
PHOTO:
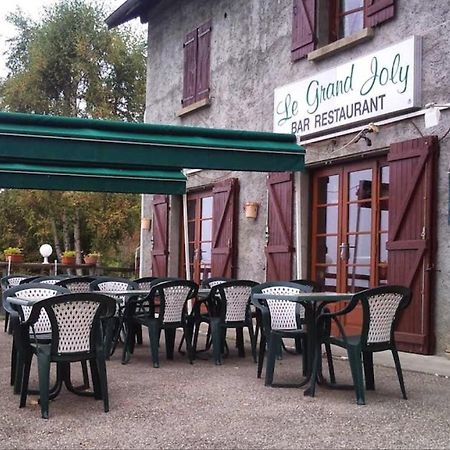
(164, 308)
(8, 282)
(381, 308)
(76, 335)
(280, 319)
(229, 307)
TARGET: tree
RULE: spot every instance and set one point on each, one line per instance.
(68, 63)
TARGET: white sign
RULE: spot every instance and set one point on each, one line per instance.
(385, 82)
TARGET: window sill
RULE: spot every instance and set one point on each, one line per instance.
(193, 107)
(342, 44)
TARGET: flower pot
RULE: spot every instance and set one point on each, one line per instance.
(69, 260)
(90, 259)
(14, 258)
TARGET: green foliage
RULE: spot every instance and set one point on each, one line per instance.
(68, 63)
(69, 253)
(12, 251)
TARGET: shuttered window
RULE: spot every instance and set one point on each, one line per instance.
(342, 18)
(197, 46)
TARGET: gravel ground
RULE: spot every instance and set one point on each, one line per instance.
(207, 406)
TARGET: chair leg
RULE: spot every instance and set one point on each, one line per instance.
(25, 379)
(6, 321)
(252, 341)
(368, 371)
(43, 358)
(13, 364)
(85, 375)
(18, 373)
(187, 333)
(330, 363)
(354, 357)
(216, 338)
(153, 335)
(240, 342)
(170, 341)
(101, 365)
(128, 344)
(304, 353)
(95, 379)
(398, 367)
(262, 351)
(273, 345)
(138, 334)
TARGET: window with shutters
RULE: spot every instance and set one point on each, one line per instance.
(197, 47)
(328, 26)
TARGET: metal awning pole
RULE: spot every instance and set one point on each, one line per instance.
(186, 245)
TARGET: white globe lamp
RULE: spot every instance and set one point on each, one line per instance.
(45, 250)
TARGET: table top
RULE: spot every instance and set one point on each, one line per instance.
(307, 296)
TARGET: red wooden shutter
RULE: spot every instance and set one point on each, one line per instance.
(303, 28)
(411, 237)
(203, 69)
(379, 11)
(224, 228)
(190, 68)
(279, 247)
(160, 235)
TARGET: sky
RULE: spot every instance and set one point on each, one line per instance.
(33, 8)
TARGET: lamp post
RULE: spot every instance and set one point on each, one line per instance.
(45, 250)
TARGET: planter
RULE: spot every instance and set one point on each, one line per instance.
(14, 258)
(68, 260)
(90, 259)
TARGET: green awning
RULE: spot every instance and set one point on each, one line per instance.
(36, 139)
(92, 179)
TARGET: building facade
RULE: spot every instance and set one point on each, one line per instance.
(351, 79)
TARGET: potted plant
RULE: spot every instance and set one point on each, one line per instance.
(91, 258)
(68, 257)
(13, 254)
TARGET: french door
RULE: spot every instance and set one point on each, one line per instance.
(350, 228)
(200, 217)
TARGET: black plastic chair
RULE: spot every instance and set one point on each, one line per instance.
(314, 285)
(114, 326)
(8, 282)
(164, 308)
(280, 319)
(381, 307)
(76, 335)
(229, 307)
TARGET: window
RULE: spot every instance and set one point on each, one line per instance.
(347, 17)
(196, 65)
(317, 23)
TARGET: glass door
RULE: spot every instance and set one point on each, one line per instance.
(200, 209)
(349, 228)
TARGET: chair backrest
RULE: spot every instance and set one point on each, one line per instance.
(29, 279)
(144, 282)
(213, 281)
(314, 285)
(75, 321)
(173, 296)
(50, 279)
(284, 314)
(34, 292)
(233, 300)
(12, 280)
(381, 308)
(77, 284)
(114, 284)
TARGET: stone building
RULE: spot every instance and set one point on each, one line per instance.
(365, 86)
